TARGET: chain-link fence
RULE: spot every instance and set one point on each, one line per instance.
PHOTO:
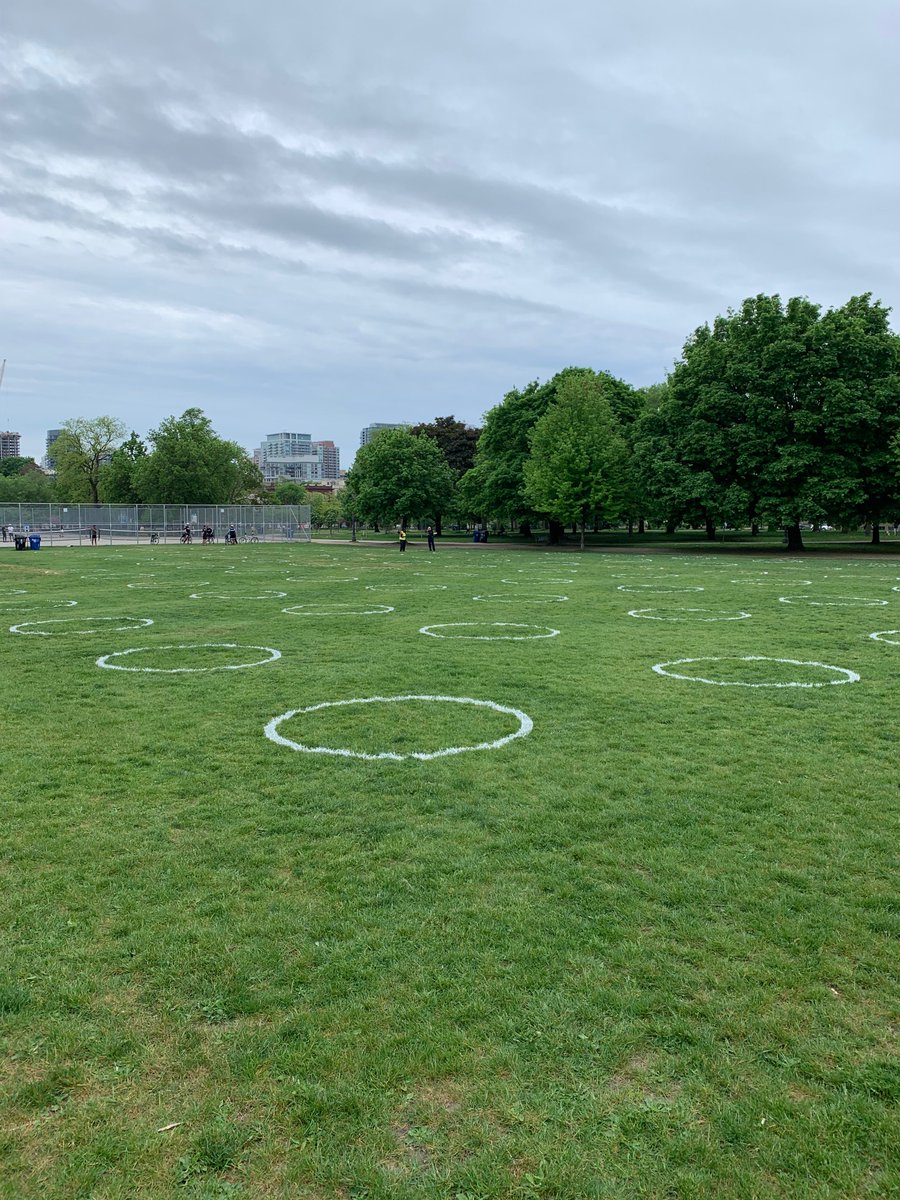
(124, 524)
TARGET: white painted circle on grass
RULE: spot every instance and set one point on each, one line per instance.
(231, 596)
(327, 579)
(847, 676)
(525, 727)
(526, 597)
(526, 582)
(406, 587)
(655, 588)
(882, 636)
(335, 610)
(104, 660)
(25, 626)
(547, 631)
(724, 614)
(837, 602)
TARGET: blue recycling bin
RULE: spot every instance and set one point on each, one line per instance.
(34, 541)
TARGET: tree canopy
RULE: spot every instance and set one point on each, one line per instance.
(80, 452)
(191, 464)
(399, 477)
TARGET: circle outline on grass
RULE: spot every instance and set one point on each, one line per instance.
(655, 589)
(463, 637)
(136, 623)
(103, 660)
(838, 602)
(378, 611)
(533, 598)
(525, 727)
(642, 613)
(878, 636)
(273, 595)
(659, 668)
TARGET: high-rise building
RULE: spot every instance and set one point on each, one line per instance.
(10, 444)
(49, 461)
(330, 459)
(370, 430)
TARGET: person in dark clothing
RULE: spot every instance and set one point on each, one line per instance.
(402, 539)
(430, 533)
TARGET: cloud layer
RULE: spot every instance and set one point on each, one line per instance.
(312, 217)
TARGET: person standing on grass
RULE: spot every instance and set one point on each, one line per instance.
(430, 533)
(402, 538)
(93, 535)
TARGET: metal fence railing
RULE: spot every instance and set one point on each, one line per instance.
(122, 524)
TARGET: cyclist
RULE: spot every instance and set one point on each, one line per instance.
(231, 536)
(186, 535)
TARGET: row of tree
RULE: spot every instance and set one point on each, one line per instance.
(778, 414)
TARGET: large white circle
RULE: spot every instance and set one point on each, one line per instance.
(837, 602)
(222, 596)
(496, 637)
(135, 623)
(527, 598)
(406, 587)
(881, 636)
(646, 613)
(335, 610)
(103, 660)
(525, 727)
(660, 669)
(518, 582)
(655, 588)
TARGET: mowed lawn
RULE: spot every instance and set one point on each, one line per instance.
(646, 949)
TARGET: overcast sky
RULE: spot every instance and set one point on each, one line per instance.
(309, 216)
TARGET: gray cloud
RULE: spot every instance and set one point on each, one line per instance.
(321, 216)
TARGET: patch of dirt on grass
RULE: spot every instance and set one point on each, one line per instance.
(633, 1077)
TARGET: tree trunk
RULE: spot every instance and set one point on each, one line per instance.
(876, 534)
(583, 523)
(630, 526)
(794, 536)
(555, 534)
(642, 528)
(375, 528)
(754, 529)
(710, 529)
(438, 527)
(671, 526)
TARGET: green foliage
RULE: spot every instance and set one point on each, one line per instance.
(79, 453)
(457, 441)
(578, 462)
(496, 485)
(191, 464)
(118, 484)
(288, 492)
(325, 511)
(16, 465)
(32, 486)
(399, 477)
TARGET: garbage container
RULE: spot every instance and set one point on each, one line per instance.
(20, 541)
(34, 541)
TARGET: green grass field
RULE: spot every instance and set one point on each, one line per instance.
(648, 949)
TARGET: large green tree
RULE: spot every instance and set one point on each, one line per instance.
(27, 487)
(496, 484)
(191, 464)
(458, 443)
(80, 452)
(578, 466)
(288, 491)
(118, 482)
(785, 414)
(399, 477)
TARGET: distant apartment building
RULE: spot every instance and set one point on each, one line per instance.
(330, 457)
(370, 430)
(49, 461)
(10, 444)
(296, 457)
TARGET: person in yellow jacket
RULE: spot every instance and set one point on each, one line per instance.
(402, 538)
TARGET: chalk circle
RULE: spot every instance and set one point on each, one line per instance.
(168, 583)
(104, 659)
(15, 592)
(328, 579)
(547, 631)
(655, 588)
(837, 602)
(335, 610)
(847, 676)
(406, 587)
(23, 627)
(882, 636)
(32, 603)
(518, 582)
(527, 597)
(525, 727)
(725, 614)
(231, 596)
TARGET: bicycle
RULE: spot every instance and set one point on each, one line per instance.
(154, 539)
(186, 539)
(245, 538)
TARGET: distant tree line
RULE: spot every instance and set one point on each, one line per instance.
(778, 415)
